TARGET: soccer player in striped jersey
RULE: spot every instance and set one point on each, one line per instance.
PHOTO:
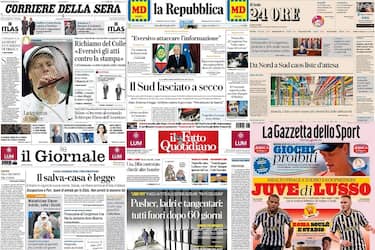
(273, 220)
(348, 222)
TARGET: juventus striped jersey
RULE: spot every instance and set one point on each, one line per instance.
(273, 226)
(349, 228)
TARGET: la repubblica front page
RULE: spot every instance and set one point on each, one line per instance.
(174, 124)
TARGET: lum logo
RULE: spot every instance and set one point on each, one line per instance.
(136, 139)
(240, 139)
(9, 153)
(117, 153)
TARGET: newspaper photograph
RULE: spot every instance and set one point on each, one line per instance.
(183, 157)
(168, 72)
(182, 161)
(187, 125)
(64, 208)
(188, 15)
(193, 219)
(292, 149)
(60, 65)
(322, 66)
(315, 179)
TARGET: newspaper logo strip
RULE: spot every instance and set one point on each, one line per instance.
(187, 142)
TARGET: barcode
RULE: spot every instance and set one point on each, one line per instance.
(242, 125)
(8, 163)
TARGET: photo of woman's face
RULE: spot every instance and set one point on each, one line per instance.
(101, 129)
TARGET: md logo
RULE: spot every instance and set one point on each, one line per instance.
(238, 10)
(139, 10)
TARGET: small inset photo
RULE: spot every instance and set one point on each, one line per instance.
(237, 59)
(87, 137)
(199, 177)
(169, 173)
(188, 24)
(56, 133)
(180, 175)
(28, 26)
(44, 225)
(15, 129)
(176, 58)
(175, 170)
(101, 134)
(307, 46)
(131, 125)
(218, 177)
(189, 114)
(237, 108)
(72, 137)
(365, 7)
(70, 27)
(318, 21)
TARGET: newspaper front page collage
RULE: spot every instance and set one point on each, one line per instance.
(187, 125)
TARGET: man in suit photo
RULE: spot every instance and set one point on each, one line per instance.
(177, 62)
(25, 26)
(31, 26)
(56, 136)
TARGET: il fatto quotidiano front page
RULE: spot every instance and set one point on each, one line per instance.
(183, 125)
